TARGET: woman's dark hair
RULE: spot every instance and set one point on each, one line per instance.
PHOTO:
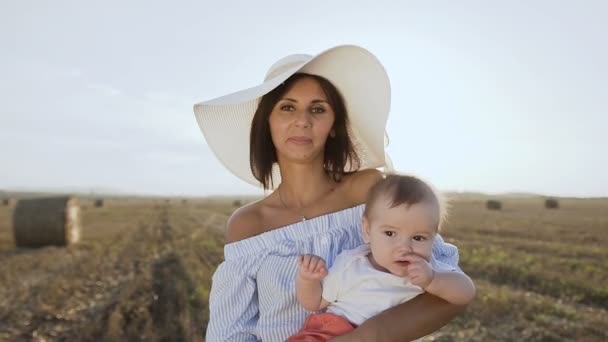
(339, 149)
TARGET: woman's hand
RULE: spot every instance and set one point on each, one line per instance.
(311, 267)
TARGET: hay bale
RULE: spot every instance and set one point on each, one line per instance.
(237, 203)
(493, 205)
(8, 202)
(98, 203)
(551, 203)
(47, 221)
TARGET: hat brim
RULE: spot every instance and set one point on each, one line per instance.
(354, 71)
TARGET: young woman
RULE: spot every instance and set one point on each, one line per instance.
(313, 132)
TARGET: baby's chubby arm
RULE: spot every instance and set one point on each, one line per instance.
(311, 271)
(454, 287)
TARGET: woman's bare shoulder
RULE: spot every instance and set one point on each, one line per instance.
(359, 183)
(244, 223)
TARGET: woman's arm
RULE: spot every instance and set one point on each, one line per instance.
(233, 303)
(406, 322)
(359, 184)
(233, 300)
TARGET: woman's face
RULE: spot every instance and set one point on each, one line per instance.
(301, 122)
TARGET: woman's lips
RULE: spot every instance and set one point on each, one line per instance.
(300, 140)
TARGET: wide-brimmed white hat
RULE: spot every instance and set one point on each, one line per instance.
(358, 75)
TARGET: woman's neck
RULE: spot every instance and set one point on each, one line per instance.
(303, 184)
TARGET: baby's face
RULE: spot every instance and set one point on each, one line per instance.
(396, 232)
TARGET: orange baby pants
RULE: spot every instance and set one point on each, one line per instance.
(322, 327)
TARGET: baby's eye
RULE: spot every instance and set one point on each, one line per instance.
(389, 233)
(287, 108)
(419, 238)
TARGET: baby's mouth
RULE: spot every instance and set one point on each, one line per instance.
(402, 263)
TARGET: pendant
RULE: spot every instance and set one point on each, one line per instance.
(303, 218)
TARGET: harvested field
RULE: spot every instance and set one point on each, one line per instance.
(143, 269)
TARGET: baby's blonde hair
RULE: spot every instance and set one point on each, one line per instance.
(410, 190)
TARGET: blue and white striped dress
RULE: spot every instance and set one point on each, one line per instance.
(253, 291)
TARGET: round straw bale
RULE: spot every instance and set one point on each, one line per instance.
(493, 205)
(98, 203)
(8, 202)
(551, 203)
(237, 203)
(47, 221)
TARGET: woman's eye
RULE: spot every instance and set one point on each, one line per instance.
(419, 238)
(287, 108)
(389, 233)
(317, 110)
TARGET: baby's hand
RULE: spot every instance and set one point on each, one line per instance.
(311, 267)
(419, 271)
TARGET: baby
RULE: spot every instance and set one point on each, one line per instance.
(401, 219)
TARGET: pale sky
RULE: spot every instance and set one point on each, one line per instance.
(489, 96)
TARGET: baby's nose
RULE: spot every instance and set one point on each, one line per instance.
(405, 246)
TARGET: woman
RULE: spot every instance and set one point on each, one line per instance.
(314, 131)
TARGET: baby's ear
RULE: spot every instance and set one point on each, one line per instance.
(366, 227)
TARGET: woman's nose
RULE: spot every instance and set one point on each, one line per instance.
(302, 119)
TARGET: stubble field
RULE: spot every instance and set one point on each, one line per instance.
(143, 272)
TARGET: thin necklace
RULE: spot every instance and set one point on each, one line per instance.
(303, 217)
